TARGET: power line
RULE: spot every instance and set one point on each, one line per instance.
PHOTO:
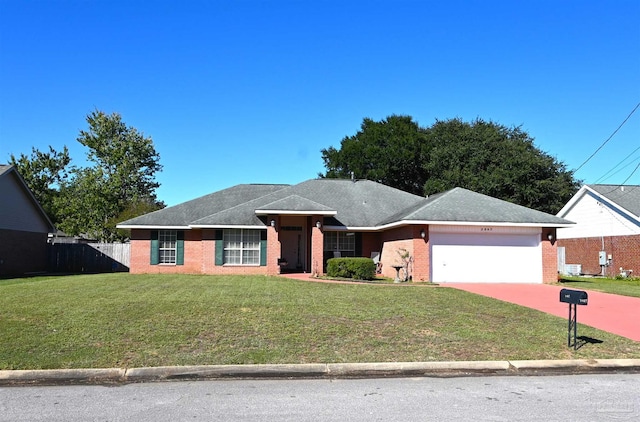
(625, 180)
(608, 139)
(609, 173)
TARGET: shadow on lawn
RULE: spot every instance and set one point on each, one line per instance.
(583, 340)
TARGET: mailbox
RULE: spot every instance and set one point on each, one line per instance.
(575, 297)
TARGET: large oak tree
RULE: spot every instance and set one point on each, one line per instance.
(482, 156)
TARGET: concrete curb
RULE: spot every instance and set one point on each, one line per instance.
(62, 376)
(318, 371)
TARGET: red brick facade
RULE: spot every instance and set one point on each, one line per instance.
(624, 251)
(200, 244)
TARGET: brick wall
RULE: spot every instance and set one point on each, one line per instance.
(22, 252)
(393, 241)
(625, 251)
(549, 256)
(421, 255)
(199, 256)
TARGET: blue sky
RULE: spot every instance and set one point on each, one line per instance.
(251, 91)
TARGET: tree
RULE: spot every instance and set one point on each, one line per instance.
(481, 156)
(390, 152)
(43, 172)
(122, 178)
(92, 200)
(128, 160)
(497, 161)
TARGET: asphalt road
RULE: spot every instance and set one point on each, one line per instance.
(583, 398)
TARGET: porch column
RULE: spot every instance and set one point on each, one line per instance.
(317, 249)
(273, 246)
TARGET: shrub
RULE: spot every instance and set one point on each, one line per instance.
(357, 268)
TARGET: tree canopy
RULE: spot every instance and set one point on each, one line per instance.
(120, 183)
(482, 156)
(43, 172)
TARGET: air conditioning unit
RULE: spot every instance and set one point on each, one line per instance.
(573, 269)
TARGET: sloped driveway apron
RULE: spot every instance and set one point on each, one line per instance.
(613, 313)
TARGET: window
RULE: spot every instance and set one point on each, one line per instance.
(343, 242)
(241, 246)
(167, 246)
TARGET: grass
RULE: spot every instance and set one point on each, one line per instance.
(622, 286)
(123, 320)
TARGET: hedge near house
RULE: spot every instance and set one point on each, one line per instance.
(356, 268)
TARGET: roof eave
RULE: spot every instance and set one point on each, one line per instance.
(151, 227)
(227, 226)
(472, 223)
(295, 212)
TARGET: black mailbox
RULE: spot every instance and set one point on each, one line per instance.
(575, 297)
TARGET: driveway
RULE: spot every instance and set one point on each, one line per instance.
(613, 313)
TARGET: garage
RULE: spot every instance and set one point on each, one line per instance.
(474, 254)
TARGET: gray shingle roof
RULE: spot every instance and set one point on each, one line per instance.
(4, 168)
(350, 203)
(628, 196)
(187, 212)
(462, 205)
(296, 203)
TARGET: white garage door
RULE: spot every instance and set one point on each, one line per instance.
(486, 255)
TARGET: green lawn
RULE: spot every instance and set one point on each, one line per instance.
(624, 286)
(122, 320)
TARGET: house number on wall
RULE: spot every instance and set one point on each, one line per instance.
(486, 229)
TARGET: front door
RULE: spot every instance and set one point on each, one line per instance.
(293, 243)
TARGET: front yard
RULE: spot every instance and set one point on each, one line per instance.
(123, 320)
(617, 286)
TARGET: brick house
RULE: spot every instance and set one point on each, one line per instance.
(607, 230)
(454, 236)
(24, 227)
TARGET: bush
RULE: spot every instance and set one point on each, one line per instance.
(357, 268)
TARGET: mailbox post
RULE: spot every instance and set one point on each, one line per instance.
(573, 298)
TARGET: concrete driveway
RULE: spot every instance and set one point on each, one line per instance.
(613, 313)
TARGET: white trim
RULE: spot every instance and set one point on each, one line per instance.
(285, 212)
(150, 227)
(603, 198)
(445, 223)
(476, 223)
(572, 201)
(453, 229)
(349, 228)
(357, 228)
(227, 226)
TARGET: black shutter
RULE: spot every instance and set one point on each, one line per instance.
(155, 248)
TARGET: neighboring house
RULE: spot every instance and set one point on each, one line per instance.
(455, 236)
(23, 227)
(606, 237)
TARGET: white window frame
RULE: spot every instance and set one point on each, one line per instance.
(241, 247)
(167, 247)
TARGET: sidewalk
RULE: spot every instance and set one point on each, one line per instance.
(613, 313)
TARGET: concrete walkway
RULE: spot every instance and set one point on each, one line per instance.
(613, 313)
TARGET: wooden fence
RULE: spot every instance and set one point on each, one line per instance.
(89, 257)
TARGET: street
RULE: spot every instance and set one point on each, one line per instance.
(513, 398)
